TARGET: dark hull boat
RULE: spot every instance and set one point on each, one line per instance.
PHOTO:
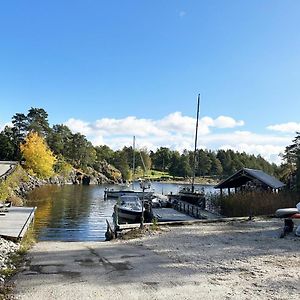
(117, 194)
(192, 196)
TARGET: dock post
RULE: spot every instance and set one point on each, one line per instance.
(109, 234)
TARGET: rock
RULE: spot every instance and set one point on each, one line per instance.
(7, 248)
(109, 171)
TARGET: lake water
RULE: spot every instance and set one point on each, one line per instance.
(78, 212)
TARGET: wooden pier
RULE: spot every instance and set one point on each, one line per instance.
(194, 210)
(169, 215)
(15, 221)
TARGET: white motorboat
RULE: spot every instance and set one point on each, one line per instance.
(129, 208)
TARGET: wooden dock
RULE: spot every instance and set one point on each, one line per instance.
(15, 222)
(194, 210)
(169, 215)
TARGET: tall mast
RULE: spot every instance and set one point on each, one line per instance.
(133, 162)
(196, 138)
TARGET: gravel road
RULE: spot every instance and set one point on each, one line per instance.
(238, 260)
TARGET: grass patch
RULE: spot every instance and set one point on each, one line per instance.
(27, 242)
(165, 176)
(157, 175)
(154, 226)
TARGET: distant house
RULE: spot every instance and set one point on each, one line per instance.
(250, 180)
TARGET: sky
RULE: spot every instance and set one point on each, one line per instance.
(114, 69)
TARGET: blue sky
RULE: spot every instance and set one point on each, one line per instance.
(93, 64)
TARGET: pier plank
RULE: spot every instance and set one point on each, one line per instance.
(170, 214)
(15, 222)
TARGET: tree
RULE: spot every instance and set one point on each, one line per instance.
(184, 168)
(103, 152)
(59, 138)
(37, 119)
(291, 157)
(120, 162)
(80, 152)
(216, 166)
(161, 158)
(204, 162)
(7, 147)
(143, 159)
(20, 127)
(174, 164)
(38, 157)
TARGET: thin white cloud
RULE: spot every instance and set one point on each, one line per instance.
(290, 127)
(176, 131)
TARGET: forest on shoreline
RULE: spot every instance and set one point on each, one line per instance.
(59, 150)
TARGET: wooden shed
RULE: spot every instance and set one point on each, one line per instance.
(250, 179)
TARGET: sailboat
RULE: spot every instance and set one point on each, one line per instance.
(190, 193)
(111, 193)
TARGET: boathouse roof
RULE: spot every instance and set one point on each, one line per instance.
(244, 175)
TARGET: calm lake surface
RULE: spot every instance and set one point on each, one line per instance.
(78, 212)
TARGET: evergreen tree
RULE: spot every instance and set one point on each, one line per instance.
(37, 119)
(161, 158)
(7, 147)
(204, 162)
(174, 164)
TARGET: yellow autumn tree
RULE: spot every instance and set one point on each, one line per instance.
(38, 157)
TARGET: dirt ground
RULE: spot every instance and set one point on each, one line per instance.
(238, 260)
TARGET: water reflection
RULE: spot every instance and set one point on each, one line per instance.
(77, 212)
(71, 212)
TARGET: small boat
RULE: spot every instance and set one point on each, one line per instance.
(286, 212)
(291, 218)
(111, 193)
(193, 196)
(129, 208)
(158, 201)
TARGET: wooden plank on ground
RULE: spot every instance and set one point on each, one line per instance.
(178, 223)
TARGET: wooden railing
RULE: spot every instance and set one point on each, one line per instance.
(189, 209)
